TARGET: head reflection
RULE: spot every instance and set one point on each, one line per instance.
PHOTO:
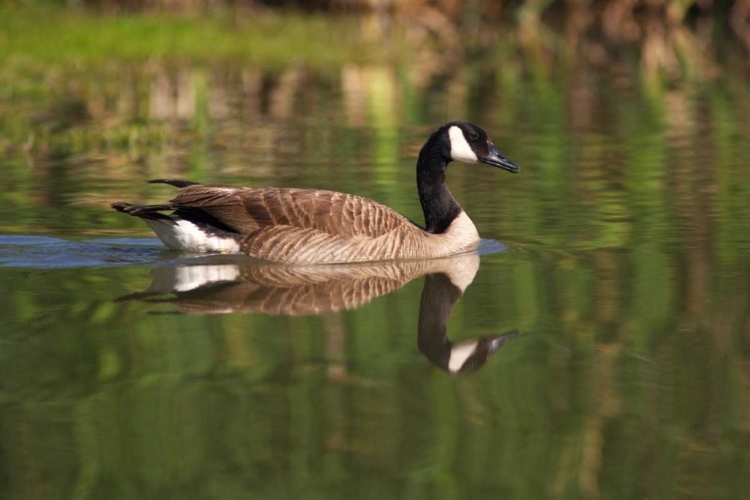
(439, 295)
(242, 286)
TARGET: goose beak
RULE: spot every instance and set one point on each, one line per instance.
(494, 344)
(497, 159)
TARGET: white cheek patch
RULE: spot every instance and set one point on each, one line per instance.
(460, 149)
(460, 352)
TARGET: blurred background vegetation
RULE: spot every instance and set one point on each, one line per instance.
(673, 37)
(121, 75)
(628, 274)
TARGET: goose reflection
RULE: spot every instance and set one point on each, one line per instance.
(221, 286)
(439, 295)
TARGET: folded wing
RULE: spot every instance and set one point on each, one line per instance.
(246, 210)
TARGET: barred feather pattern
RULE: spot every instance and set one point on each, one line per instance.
(252, 286)
(306, 226)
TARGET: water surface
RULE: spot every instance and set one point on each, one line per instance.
(616, 295)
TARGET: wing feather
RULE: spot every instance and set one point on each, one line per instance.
(248, 210)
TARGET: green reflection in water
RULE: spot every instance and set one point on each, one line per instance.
(627, 275)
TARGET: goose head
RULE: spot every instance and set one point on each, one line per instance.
(469, 143)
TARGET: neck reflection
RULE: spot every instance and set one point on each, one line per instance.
(439, 296)
(220, 286)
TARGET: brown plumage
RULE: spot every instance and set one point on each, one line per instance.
(248, 286)
(220, 287)
(306, 226)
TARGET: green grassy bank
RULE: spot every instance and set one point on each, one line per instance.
(268, 39)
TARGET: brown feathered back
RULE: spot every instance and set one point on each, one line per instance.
(247, 210)
(299, 226)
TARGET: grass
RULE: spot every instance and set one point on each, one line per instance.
(271, 40)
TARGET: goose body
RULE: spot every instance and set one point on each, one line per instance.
(219, 285)
(309, 226)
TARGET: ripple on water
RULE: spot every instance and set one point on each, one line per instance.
(45, 252)
(487, 247)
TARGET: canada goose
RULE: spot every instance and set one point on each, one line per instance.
(308, 226)
(215, 287)
(439, 295)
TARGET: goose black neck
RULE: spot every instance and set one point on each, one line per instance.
(438, 204)
(439, 296)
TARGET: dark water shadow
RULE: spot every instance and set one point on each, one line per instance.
(224, 285)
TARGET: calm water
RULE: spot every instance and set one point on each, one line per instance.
(611, 300)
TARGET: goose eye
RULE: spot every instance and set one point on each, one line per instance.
(473, 135)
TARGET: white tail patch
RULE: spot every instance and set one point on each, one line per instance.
(191, 277)
(460, 352)
(460, 149)
(187, 237)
